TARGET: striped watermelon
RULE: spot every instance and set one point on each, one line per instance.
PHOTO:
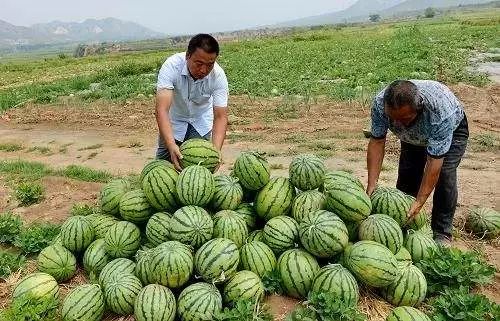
(297, 269)
(195, 186)
(281, 233)
(409, 289)
(427, 230)
(159, 186)
(403, 256)
(407, 314)
(157, 228)
(101, 223)
(95, 258)
(230, 225)
(155, 303)
(419, 244)
(122, 239)
(335, 279)
(77, 233)
(323, 234)
(199, 302)
(37, 285)
(171, 264)
(257, 235)
(341, 178)
(391, 201)
(349, 202)
(85, 302)
(275, 198)
(144, 267)
(134, 207)
(228, 193)
(372, 263)
(191, 225)
(243, 285)
(307, 172)
(120, 292)
(306, 202)
(197, 151)
(57, 261)
(152, 164)
(352, 230)
(484, 222)
(111, 195)
(382, 229)
(118, 266)
(257, 257)
(247, 212)
(217, 260)
(252, 170)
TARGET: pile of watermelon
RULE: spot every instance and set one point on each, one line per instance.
(184, 245)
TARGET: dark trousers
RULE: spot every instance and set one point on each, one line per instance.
(191, 132)
(411, 169)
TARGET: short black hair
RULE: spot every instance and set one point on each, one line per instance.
(402, 93)
(203, 41)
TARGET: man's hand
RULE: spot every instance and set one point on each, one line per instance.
(175, 155)
(413, 211)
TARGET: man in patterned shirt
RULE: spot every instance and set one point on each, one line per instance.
(431, 124)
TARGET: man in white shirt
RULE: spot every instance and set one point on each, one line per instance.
(191, 98)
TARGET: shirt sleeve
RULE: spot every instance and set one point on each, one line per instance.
(380, 123)
(166, 76)
(440, 138)
(221, 91)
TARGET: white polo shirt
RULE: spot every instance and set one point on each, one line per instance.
(193, 99)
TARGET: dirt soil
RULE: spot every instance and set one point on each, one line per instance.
(121, 138)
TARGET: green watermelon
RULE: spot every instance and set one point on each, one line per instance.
(418, 244)
(257, 257)
(120, 292)
(95, 258)
(157, 228)
(247, 212)
(392, 202)
(372, 263)
(199, 302)
(243, 285)
(307, 172)
(335, 279)
(144, 267)
(135, 208)
(382, 229)
(403, 256)
(155, 303)
(171, 264)
(281, 233)
(229, 224)
(111, 195)
(57, 261)
(152, 164)
(349, 202)
(197, 151)
(122, 239)
(77, 233)
(275, 198)
(252, 170)
(340, 178)
(191, 225)
(228, 193)
(297, 269)
(217, 260)
(101, 223)
(257, 235)
(409, 289)
(159, 186)
(85, 302)
(323, 234)
(484, 222)
(420, 220)
(306, 202)
(37, 285)
(407, 314)
(118, 266)
(195, 186)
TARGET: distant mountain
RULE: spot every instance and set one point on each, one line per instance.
(90, 30)
(414, 5)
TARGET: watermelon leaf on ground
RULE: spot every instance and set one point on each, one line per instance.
(245, 310)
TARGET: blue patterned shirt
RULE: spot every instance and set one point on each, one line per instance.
(442, 113)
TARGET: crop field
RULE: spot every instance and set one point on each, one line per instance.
(70, 125)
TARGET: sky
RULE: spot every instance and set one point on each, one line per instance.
(167, 16)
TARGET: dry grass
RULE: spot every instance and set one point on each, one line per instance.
(375, 308)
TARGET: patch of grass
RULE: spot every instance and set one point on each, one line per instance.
(95, 146)
(36, 237)
(10, 226)
(387, 167)
(41, 149)
(86, 174)
(485, 143)
(347, 170)
(318, 146)
(28, 193)
(63, 149)
(29, 308)
(234, 137)
(244, 310)
(295, 138)
(10, 262)
(83, 209)
(355, 149)
(10, 147)
(277, 166)
(92, 155)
